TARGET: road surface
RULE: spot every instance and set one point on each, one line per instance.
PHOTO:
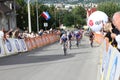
(49, 63)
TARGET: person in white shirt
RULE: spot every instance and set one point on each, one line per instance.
(2, 34)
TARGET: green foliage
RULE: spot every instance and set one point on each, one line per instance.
(68, 19)
(79, 16)
(21, 2)
(74, 17)
(22, 20)
(109, 8)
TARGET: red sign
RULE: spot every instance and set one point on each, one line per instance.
(91, 23)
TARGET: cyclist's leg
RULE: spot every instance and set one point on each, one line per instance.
(91, 43)
(80, 39)
(65, 48)
(69, 44)
(77, 42)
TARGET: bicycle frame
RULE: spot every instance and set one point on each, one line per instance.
(77, 42)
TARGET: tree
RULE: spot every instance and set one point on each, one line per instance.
(79, 16)
(22, 20)
(22, 17)
(52, 21)
(68, 19)
(109, 8)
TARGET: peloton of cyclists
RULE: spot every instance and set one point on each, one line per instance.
(68, 36)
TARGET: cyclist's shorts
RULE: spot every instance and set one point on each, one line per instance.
(77, 36)
(70, 36)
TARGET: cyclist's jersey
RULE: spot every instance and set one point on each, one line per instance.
(77, 34)
(64, 38)
(91, 36)
(69, 36)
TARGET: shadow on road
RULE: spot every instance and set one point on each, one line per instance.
(39, 55)
(32, 57)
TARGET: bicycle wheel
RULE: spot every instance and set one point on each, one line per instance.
(77, 43)
(64, 49)
(91, 43)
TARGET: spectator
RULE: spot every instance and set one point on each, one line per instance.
(9, 33)
(114, 30)
(116, 22)
(20, 36)
(25, 34)
(2, 34)
(15, 33)
(107, 28)
(40, 32)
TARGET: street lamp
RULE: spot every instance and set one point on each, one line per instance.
(29, 17)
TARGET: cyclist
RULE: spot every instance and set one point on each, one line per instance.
(62, 32)
(91, 36)
(69, 36)
(77, 35)
(63, 40)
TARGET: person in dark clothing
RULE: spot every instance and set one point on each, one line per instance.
(110, 28)
(114, 30)
(91, 36)
(107, 28)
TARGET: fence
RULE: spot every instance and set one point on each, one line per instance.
(109, 60)
(14, 46)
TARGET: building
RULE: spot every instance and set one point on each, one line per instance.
(7, 14)
(90, 11)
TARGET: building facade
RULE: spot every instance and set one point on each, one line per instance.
(7, 14)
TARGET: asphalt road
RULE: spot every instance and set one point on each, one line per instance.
(49, 63)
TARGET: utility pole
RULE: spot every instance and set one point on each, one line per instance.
(37, 15)
(55, 18)
(15, 14)
(29, 17)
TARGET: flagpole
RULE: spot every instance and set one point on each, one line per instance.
(29, 17)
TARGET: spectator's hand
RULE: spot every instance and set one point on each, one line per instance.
(113, 35)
